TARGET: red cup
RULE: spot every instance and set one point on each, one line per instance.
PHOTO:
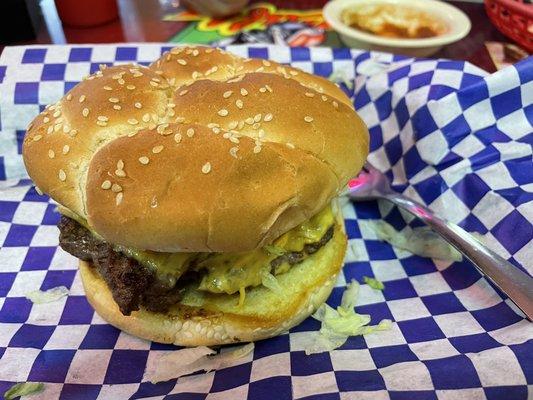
(86, 13)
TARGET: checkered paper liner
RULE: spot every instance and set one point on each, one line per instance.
(443, 131)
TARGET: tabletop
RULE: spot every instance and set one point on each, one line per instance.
(141, 21)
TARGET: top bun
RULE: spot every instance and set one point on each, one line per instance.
(201, 151)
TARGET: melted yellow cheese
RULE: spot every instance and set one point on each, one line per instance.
(229, 272)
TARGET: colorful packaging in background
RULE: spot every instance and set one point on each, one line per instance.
(258, 23)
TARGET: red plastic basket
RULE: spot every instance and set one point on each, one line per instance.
(514, 19)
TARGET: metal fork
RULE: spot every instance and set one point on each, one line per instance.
(517, 285)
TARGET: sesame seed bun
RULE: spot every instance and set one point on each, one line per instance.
(208, 319)
(200, 151)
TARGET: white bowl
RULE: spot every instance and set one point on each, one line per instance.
(457, 22)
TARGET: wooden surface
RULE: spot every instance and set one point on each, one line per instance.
(141, 21)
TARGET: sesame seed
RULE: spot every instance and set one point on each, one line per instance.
(290, 145)
(179, 119)
(50, 129)
(190, 132)
(260, 69)
(36, 138)
(262, 89)
(257, 149)
(102, 118)
(66, 128)
(216, 130)
(249, 121)
(62, 175)
(108, 88)
(239, 104)
(121, 81)
(154, 84)
(268, 117)
(309, 94)
(113, 100)
(51, 153)
(66, 149)
(223, 112)
(56, 114)
(82, 98)
(335, 104)
(257, 118)
(73, 132)
(157, 149)
(195, 75)
(206, 168)
(57, 127)
(266, 63)
(233, 124)
(116, 188)
(233, 151)
(181, 61)
(106, 185)
(227, 94)
(183, 92)
(117, 107)
(324, 98)
(46, 120)
(120, 172)
(144, 160)
(130, 87)
(177, 138)
(85, 112)
(268, 88)
(293, 73)
(118, 198)
(307, 118)
(101, 123)
(138, 105)
(146, 117)
(120, 164)
(233, 139)
(244, 92)
(132, 121)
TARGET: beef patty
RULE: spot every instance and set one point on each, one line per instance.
(134, 285)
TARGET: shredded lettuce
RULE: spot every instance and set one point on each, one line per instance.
(341, 76)
(420, 241)
(373, 283)
(274, 250)
(269, 281)
(23, 389)
(343, 322)
(164, 366)
(48, 296)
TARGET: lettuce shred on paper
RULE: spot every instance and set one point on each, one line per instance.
(341, 323)
(23, 389)
(421, 241)
(373, 283)
(170, 365)
(47, 296)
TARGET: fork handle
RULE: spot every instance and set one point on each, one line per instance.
(511, 280)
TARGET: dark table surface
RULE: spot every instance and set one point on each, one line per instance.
(141, 21)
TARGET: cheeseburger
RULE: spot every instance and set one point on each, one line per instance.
(198, 193)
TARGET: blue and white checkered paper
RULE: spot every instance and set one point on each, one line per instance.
(445, 133)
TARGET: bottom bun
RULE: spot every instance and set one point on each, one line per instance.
(204, 319)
